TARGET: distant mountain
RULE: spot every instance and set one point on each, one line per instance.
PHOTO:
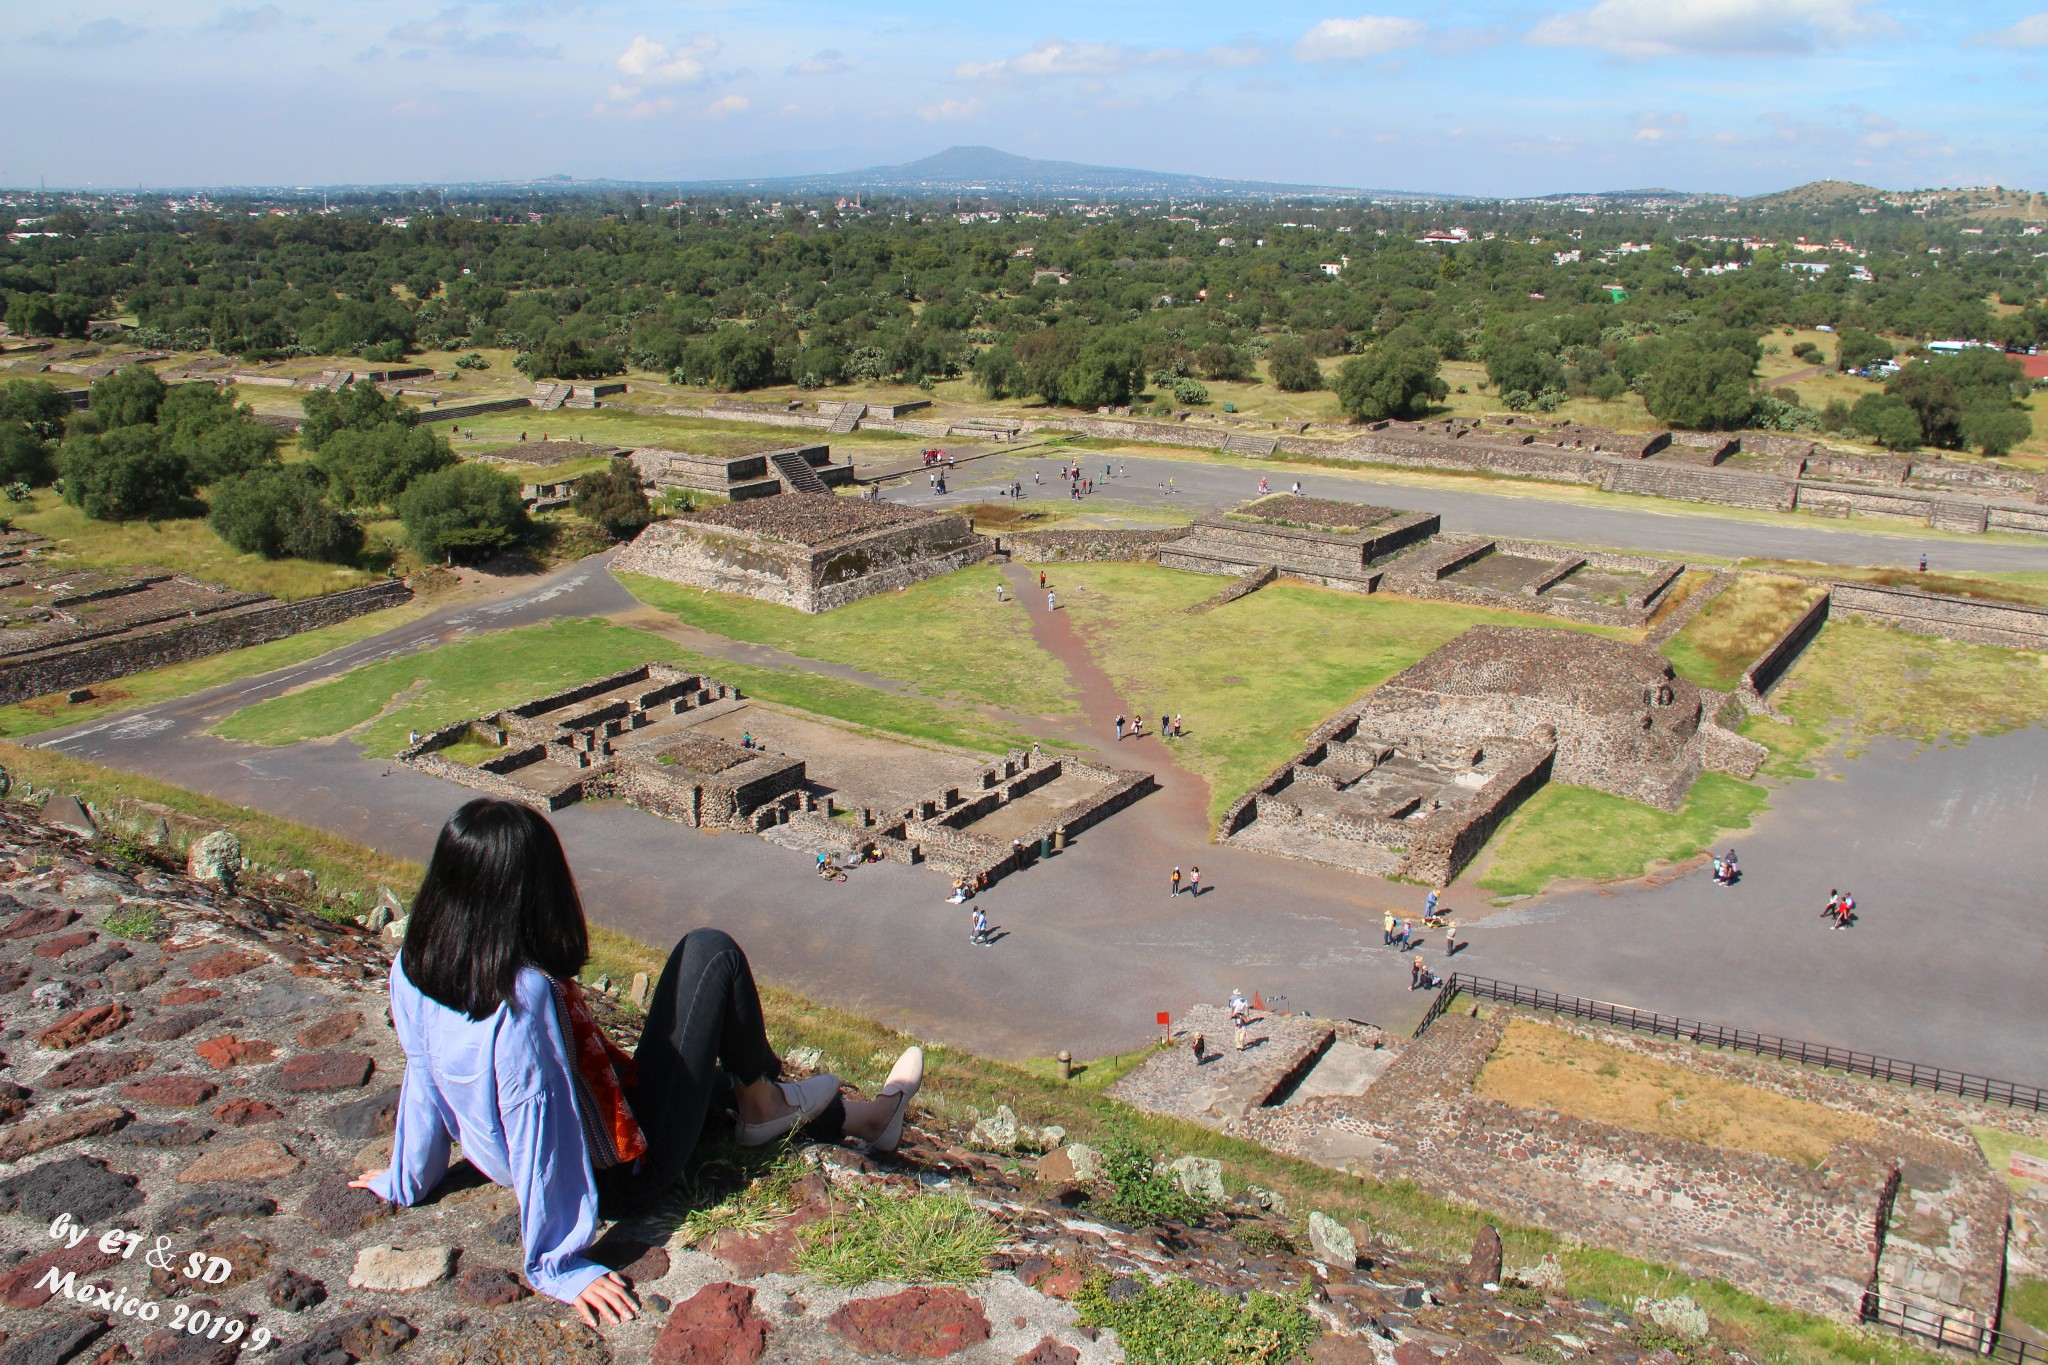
(989, 170)
(1820, 194)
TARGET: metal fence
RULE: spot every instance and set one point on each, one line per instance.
(1931, 1324)
(1915, 1074)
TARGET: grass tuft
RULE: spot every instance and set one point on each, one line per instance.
(1179, 1322)
(916, 1238)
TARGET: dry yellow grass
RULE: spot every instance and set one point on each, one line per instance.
(1540, 1067)
(1737, 626)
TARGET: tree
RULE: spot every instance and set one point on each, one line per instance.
(1689, 385)
(462, 512)
(1218, 360)
(1106, 373)
(614, 499)
(561, 357)
(49, 315)
(732, 359)
(123, 474)
(1887, 419)
(1995, 427)
(371, 468)
(282, 511)
(217, 438)
(1856, 349)
(1292, 366)
(1396, 378)
(128, 397)
(24, 456)
(1521, 366)
(355, 407)
(37, 405)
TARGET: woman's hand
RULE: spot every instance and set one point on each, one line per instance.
(606, 1299)
(362, 1182)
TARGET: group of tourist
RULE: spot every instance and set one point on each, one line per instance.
(1400, 934)
(1841, 908)
(1169, 726)
(1194, 882)
(1726, 873)
(932, 457)
(938, 480)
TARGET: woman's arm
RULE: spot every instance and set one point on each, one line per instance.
(544, 1141)
(419, 1144)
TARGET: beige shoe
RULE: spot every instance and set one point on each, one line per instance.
(904, 1079)
(808, 1098)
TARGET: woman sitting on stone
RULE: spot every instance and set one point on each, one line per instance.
(503, 1056)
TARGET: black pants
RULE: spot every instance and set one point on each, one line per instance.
(703, 1036)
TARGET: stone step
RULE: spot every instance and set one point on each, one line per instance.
(797, 472)
(1241, 444)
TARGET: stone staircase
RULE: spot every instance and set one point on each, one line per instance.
(549, 397)
(796, 473)
(1256, 446)
(847, 419)
(1944, 1246)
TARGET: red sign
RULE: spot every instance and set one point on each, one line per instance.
(1164, 1018)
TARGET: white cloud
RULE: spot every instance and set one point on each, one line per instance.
(649, 63)
(1351, 40)
(1643, 29)
(826, 63)
(946, 111)
(727, 106)
(2031, 31)
(1053, 58)
(1659, 128)
(99, 33)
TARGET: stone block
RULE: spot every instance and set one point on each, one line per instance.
(715, 1326)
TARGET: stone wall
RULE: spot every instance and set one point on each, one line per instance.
(1770, 666)
(457, 412)
(1087, 546)
(1446, 845)
(119, 658)
(1975, 620)
(894, 559)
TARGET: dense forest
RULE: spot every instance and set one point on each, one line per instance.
(1086, 306)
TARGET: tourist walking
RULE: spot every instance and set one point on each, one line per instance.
(1119, 729)
(1450, 938)
(1195, 882)
(1923, 563)
(1297, 488)
(999, 592)
(1176, 725)
(1845, 911)
(1175, 891)
(1164, 732)
(1041, 578)
(1834, 904)
(1429, 905)
(1387, 930)
(980, 935)
(1052, 601)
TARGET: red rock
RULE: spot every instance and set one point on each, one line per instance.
(1063, 1283)
(717, 1325)
(316, 1071)
(83, 1026)
(177, 1092)
(227, 1050)
(487, 1286)
(1342, 1350)
(762, 1253)
(95, 1068)
(1410, 1353)
(1049, 1352)
(190, 995)
(256, 1159)
(1468, 1354)
(65, 943)
(68, 1125)
(224, 964)
(34, 923)
(18, 1286)
(917, 1324)
(336, 1028)
(247, 1113)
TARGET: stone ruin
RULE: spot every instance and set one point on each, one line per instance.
(737, 478)
(650, 736)
(1372, 549)
(1412, 780)
(1359, 1100)
(811, 551)
(1335, 544)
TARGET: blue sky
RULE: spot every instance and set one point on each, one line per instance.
(1740, 96)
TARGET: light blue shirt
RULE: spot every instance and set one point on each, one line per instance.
(501, 1087)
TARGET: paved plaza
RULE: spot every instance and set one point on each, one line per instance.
(1941, 848)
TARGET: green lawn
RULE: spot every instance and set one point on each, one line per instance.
(946, 637)
(1578, 832)
(1253, 678)
(185, 545)
(182, 680)
(386, 700)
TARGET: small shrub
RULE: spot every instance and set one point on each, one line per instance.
(1263, 1238)
(1140, 1193)
(471, 361)
(1179, 1322)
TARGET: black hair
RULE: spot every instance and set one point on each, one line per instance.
(497, 897)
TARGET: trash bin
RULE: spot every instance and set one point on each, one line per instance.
(1045, 846)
